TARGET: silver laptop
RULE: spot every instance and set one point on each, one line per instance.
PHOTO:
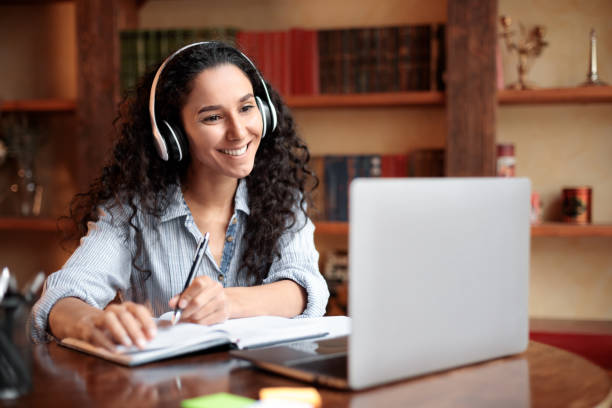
(439, 275)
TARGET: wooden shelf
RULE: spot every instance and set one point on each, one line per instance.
(541, 230)
(587, 94)
(331, 228)
(27, 224)
(38, 105)
(22, 2)
(558, 229)
(423, 98)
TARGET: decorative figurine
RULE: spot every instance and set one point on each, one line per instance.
(528, 46)
(592, 76)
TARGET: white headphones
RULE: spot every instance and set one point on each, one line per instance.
(170, 142)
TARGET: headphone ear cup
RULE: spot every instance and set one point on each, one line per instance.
(266, 116)
(176, 141)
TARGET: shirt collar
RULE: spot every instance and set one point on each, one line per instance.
(241, 199)
(178, 207)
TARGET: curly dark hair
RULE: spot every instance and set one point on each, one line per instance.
(137, 179)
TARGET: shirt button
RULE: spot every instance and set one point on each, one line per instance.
(220, 277)
(235, 220)
(229, 238)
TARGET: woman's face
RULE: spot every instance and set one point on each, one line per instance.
(222, 122)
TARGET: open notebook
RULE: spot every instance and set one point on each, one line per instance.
(244, 333)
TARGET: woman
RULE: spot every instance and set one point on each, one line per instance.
(142, 219)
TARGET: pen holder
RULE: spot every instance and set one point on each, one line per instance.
(15, 348)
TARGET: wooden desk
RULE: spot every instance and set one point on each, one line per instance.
(543, 376)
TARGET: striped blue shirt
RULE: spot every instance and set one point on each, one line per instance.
(102, 266)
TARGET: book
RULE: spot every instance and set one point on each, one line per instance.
(304, 61)
(184, 338)
(426, 163)
(336, 186)
(394, 165)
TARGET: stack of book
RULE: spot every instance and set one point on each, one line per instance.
(335, 173)
(308, 62)
(289, 60)
(141, 50)
(381, 59)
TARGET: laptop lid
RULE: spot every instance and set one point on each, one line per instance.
(438, 279)
(439, 274)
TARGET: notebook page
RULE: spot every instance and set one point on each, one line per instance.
(266, 330)
(178, 336)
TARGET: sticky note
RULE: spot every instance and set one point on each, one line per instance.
(302, 394)
(218, 400)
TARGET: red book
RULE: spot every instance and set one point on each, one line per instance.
(394, 165)
(283, 54)
(304, 50)
(247, 42)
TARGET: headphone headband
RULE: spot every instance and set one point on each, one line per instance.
(160, 143)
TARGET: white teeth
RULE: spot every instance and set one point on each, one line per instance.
(236, 152)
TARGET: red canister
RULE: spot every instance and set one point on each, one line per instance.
(576, 205)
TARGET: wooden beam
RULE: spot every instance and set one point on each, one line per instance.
(97, 84)
(471, 94)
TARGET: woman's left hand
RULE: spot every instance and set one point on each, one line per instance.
(203, 302)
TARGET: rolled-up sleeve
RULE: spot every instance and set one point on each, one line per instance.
(299, 263)
(97, 269)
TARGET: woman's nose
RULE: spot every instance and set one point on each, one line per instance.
(237, 128)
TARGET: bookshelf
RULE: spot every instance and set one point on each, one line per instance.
(549, 229)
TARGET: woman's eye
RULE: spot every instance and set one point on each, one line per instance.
(246, 108)
(211, 118)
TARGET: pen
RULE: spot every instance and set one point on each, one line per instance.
(196, 260)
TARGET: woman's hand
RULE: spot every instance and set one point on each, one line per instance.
(125, 323)
(203, 302)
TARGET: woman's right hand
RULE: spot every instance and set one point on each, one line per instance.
(125, 323)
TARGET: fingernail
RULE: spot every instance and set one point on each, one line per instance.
(183, 304)
(127, 341)
(152, 331)
(141, 343)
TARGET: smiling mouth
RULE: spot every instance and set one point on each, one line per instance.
(236, 152)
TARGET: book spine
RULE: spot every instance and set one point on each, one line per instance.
(363, 60)
(423, 57)
(347, 62)
(391, 51)
(141, 63)
(152, 55)
(336, 181)
(394, 165)
(284, 68)
(336, 61)
(426, 163)
(129, 63)
(324, 60)
(378, 71)
(403, 58)
(311, 62)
